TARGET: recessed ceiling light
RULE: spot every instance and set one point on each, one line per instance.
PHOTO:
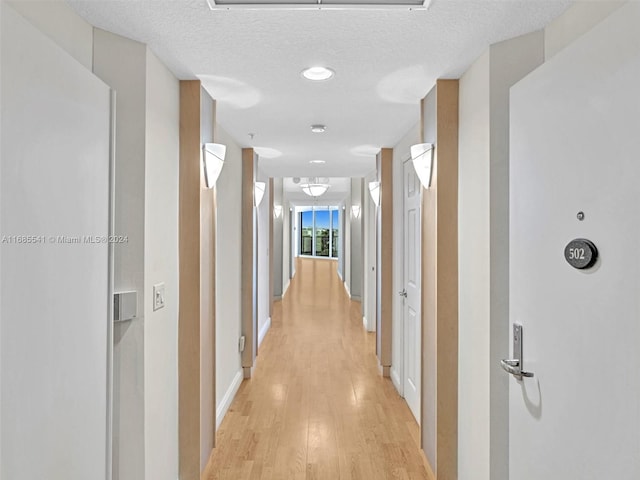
(319, 162)
(318, 73)
(318, 128)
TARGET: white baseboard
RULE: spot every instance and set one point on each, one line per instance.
(229, 395)
(263, 331)
(346, 287)
(286, 287)
(366, 325)
(395, 379)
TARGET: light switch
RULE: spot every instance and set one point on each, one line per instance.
(158, 296)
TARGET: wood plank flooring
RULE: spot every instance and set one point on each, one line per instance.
(316, 407)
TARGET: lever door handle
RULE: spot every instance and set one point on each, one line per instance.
(513, 367)
(403, 293)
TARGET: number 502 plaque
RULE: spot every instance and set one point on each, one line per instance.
(581, 253)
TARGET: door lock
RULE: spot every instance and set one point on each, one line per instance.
(515, 366)
(403, 293)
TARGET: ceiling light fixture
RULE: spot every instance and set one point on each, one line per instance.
(422, 156)
(213, 158)
(317, 162)
(318, 74)
(318, 128)
(374, 191)
(314, 187)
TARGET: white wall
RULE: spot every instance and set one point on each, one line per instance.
(356, 238)
(287, 245)
(207, 292)
(368, 216)
(294, 240)
(341, 222)
(577, 20)
(429, 352)
(145, 352)
(346, 238)
(264, 301)
(278, 240)
(55, 163)
(121, 63)
(483, 252)
(161, 266)
(228, 264)
(474, 271)
(1, 263)
(510, 61)
(57, 20)
(401, 152)
(296, 235)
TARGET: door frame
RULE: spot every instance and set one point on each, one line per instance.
(111, 282)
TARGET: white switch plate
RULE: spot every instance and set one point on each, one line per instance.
(158, 296)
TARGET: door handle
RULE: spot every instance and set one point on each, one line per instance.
(403, 293)
(514, 366)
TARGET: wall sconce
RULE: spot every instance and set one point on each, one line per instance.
(258, 192)
(277, 211)
(213, 157)
(422, 156)
(355, 211)
(374, 191)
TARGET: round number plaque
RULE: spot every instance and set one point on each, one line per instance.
(581, 253)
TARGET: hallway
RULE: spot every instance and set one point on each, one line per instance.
(316, 407)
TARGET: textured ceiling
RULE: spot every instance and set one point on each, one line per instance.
(385, 61)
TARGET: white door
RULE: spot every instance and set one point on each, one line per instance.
(575, 147)
(369, 260)
(55, 328)
(411, 292)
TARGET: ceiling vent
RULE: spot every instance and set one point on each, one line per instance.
(318, 4)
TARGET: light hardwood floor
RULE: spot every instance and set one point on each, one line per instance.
(316, 407)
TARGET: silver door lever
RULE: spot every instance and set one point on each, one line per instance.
(403, 293)
(515, 366)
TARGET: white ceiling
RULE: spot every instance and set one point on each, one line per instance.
(385, 62)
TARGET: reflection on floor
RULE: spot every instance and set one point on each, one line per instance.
(316, 407)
